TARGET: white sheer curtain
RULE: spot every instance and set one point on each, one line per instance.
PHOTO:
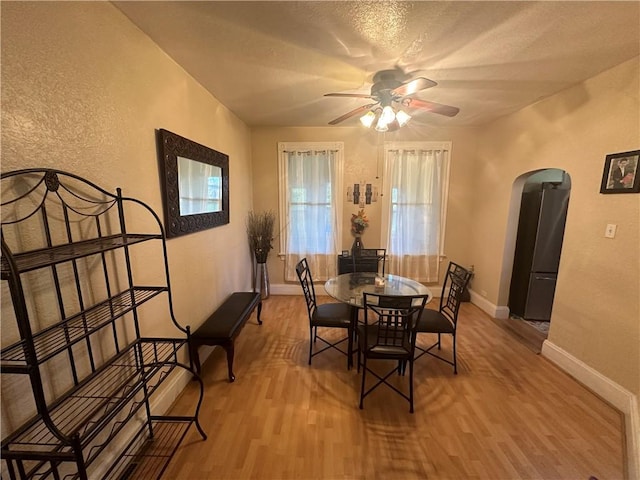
(310, 206)
(414, 210)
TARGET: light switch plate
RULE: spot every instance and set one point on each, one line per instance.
(610, 231)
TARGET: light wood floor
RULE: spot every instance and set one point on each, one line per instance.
(508, 414)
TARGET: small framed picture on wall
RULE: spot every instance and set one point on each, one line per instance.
(621, 173)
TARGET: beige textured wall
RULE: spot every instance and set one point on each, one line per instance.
(84, 90)
(596, 313)
(363, 161)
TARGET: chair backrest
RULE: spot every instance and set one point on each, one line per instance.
(455, 282)
(394, 318)
(306, 282)
(370, 260)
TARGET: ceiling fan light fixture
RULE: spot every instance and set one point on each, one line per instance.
(391, 89)
(382, 126)
(402, 118)
(368, 118)
(388, 115)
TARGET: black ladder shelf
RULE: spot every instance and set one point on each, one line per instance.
(78, 376)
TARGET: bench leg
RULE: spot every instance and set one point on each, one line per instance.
(195, 357)
(230, 349)
(259, 310)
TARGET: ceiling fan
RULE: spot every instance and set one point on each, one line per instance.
(387, 91)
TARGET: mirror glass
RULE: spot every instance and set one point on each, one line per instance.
(200, 187)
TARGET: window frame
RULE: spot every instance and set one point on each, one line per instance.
(283, 183)
(386, 187)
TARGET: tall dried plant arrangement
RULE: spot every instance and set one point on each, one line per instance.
(260, 233)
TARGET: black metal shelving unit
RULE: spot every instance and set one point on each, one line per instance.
(69, 271)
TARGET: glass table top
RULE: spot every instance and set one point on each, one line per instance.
(349, 287)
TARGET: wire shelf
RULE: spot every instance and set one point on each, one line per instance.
(55, 339)
(147, 457)
(85, 410)
(44, 257)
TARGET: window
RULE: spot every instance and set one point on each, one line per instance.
(414, 207)
(310, 206)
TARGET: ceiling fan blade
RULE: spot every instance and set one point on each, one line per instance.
(447, 110)
(356, 111)
(414, 86)
(356, 95)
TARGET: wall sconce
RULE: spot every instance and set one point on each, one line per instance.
(362, 193)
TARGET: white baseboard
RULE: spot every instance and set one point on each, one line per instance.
(632, 424)
(162, 401)
(486, 306)
(287, 289)
(617, 396)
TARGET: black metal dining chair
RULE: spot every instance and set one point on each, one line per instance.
(445, 319)
(326, 315)
(388, 333)
(370, 260)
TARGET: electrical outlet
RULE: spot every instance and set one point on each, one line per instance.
(610, 231)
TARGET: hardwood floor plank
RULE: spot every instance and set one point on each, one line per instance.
(508, 414)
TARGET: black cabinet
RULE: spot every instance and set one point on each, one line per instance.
(370, 260)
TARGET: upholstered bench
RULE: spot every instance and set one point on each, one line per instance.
(224, 325)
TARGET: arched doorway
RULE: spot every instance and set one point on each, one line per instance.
(539, 231)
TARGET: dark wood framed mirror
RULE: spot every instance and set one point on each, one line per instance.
(195, 185)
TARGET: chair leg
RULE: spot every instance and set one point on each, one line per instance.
(350, 349)
(404, 367)
(439, 348)
(455, 361)
(327, 344)
(383, 379)
(410, 386)
(354, 333)
(364, 374)
(358, 358)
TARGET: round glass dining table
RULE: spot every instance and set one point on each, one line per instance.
(349, 287)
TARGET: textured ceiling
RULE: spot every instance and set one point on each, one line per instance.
(272, 62)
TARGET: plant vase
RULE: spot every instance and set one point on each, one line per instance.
(359, 222)
(261, 279)
(260, 235)
(356, 248)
